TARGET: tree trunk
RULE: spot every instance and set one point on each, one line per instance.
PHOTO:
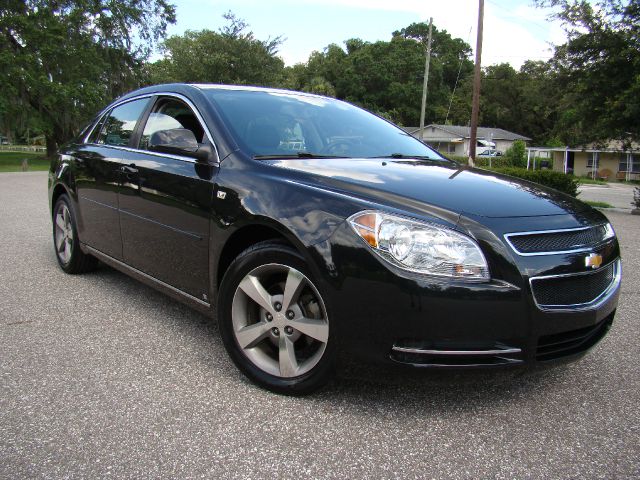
(52, 145)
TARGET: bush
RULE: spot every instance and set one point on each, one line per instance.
(456, 158)
(496, 162)
(636, 197)
(558, 180)
(516, 154)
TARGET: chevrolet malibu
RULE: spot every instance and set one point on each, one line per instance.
(309, 227)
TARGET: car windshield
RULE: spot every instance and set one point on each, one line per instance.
(273, 124)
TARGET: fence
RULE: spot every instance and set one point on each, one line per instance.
(22, 148)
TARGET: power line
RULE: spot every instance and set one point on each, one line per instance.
(455, 86)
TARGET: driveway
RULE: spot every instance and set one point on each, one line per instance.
(618, 195)
(101, 376)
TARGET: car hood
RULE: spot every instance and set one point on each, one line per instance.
(451, 187)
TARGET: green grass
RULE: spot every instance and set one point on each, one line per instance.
(598, 204)
(12, 161)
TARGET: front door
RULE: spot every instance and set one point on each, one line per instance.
(165, 206)
(571, 157)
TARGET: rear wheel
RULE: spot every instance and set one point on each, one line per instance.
(65, 239)
(274, 321)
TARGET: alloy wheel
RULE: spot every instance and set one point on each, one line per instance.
(63, 234)
(279, 320)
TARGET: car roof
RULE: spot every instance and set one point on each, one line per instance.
(251, 88)
(190, 87)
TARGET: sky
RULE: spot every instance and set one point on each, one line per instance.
(514, 30)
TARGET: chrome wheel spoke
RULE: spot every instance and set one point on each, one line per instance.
(251, 335)
(311, 327)
(67, 249)
(60, 222)
(60, 240)
(293, 286)
(254, 289)
(67, 221)
(287, 357)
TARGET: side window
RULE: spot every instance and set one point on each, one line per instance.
(168, 114)
(119, 125)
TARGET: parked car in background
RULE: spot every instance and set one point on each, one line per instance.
(308, 226)
(489, 152)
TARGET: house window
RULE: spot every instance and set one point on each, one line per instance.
(451, 148)
(634, 163)
(592, 160)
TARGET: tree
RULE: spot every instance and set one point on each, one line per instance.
(516, 154)
(64, 59)
(599, 70)
(386, 76)
(231, 55)
(523, 101)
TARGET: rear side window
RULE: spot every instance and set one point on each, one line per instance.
(119, 126)
(168, 114)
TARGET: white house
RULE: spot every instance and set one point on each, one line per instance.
(454, 139)
(613, 161)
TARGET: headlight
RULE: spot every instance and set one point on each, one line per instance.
(420, 247)
(608, 232)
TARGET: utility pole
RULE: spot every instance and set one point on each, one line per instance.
(475, 108)
(425, 83)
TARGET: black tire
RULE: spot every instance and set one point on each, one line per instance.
(320, 362)
(73, 260)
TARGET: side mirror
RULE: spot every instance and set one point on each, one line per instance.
(180, 141)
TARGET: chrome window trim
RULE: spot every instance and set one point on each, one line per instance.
(507, 237)
(155, 154)
(94, 126)
(138, 150)
(593, 304)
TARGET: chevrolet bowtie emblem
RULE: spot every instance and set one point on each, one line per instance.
(593, 260)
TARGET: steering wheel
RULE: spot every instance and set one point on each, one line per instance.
(339, 147)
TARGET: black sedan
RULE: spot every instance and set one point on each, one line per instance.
(310, 227)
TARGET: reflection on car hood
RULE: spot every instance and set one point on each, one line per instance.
(457, 189)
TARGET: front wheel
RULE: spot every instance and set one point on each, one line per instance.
(274, 321)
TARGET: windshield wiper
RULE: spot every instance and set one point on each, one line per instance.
(285, 156)
(416, 157)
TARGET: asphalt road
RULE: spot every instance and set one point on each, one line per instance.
(102, 376)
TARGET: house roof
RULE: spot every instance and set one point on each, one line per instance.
(459, 131)
(614, 146)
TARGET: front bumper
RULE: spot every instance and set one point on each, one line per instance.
(381, 315)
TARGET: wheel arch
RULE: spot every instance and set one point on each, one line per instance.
(58, 190)
(246, 236)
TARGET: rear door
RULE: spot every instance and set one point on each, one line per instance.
(97, 174)
(166, 204)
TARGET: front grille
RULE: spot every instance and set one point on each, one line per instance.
(573, 290)
(564, 344)
(558, 241)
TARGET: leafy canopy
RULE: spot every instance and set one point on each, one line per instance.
(62, 60)
(599, 70)
(231, 55)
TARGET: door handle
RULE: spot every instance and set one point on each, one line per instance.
(129, 169)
